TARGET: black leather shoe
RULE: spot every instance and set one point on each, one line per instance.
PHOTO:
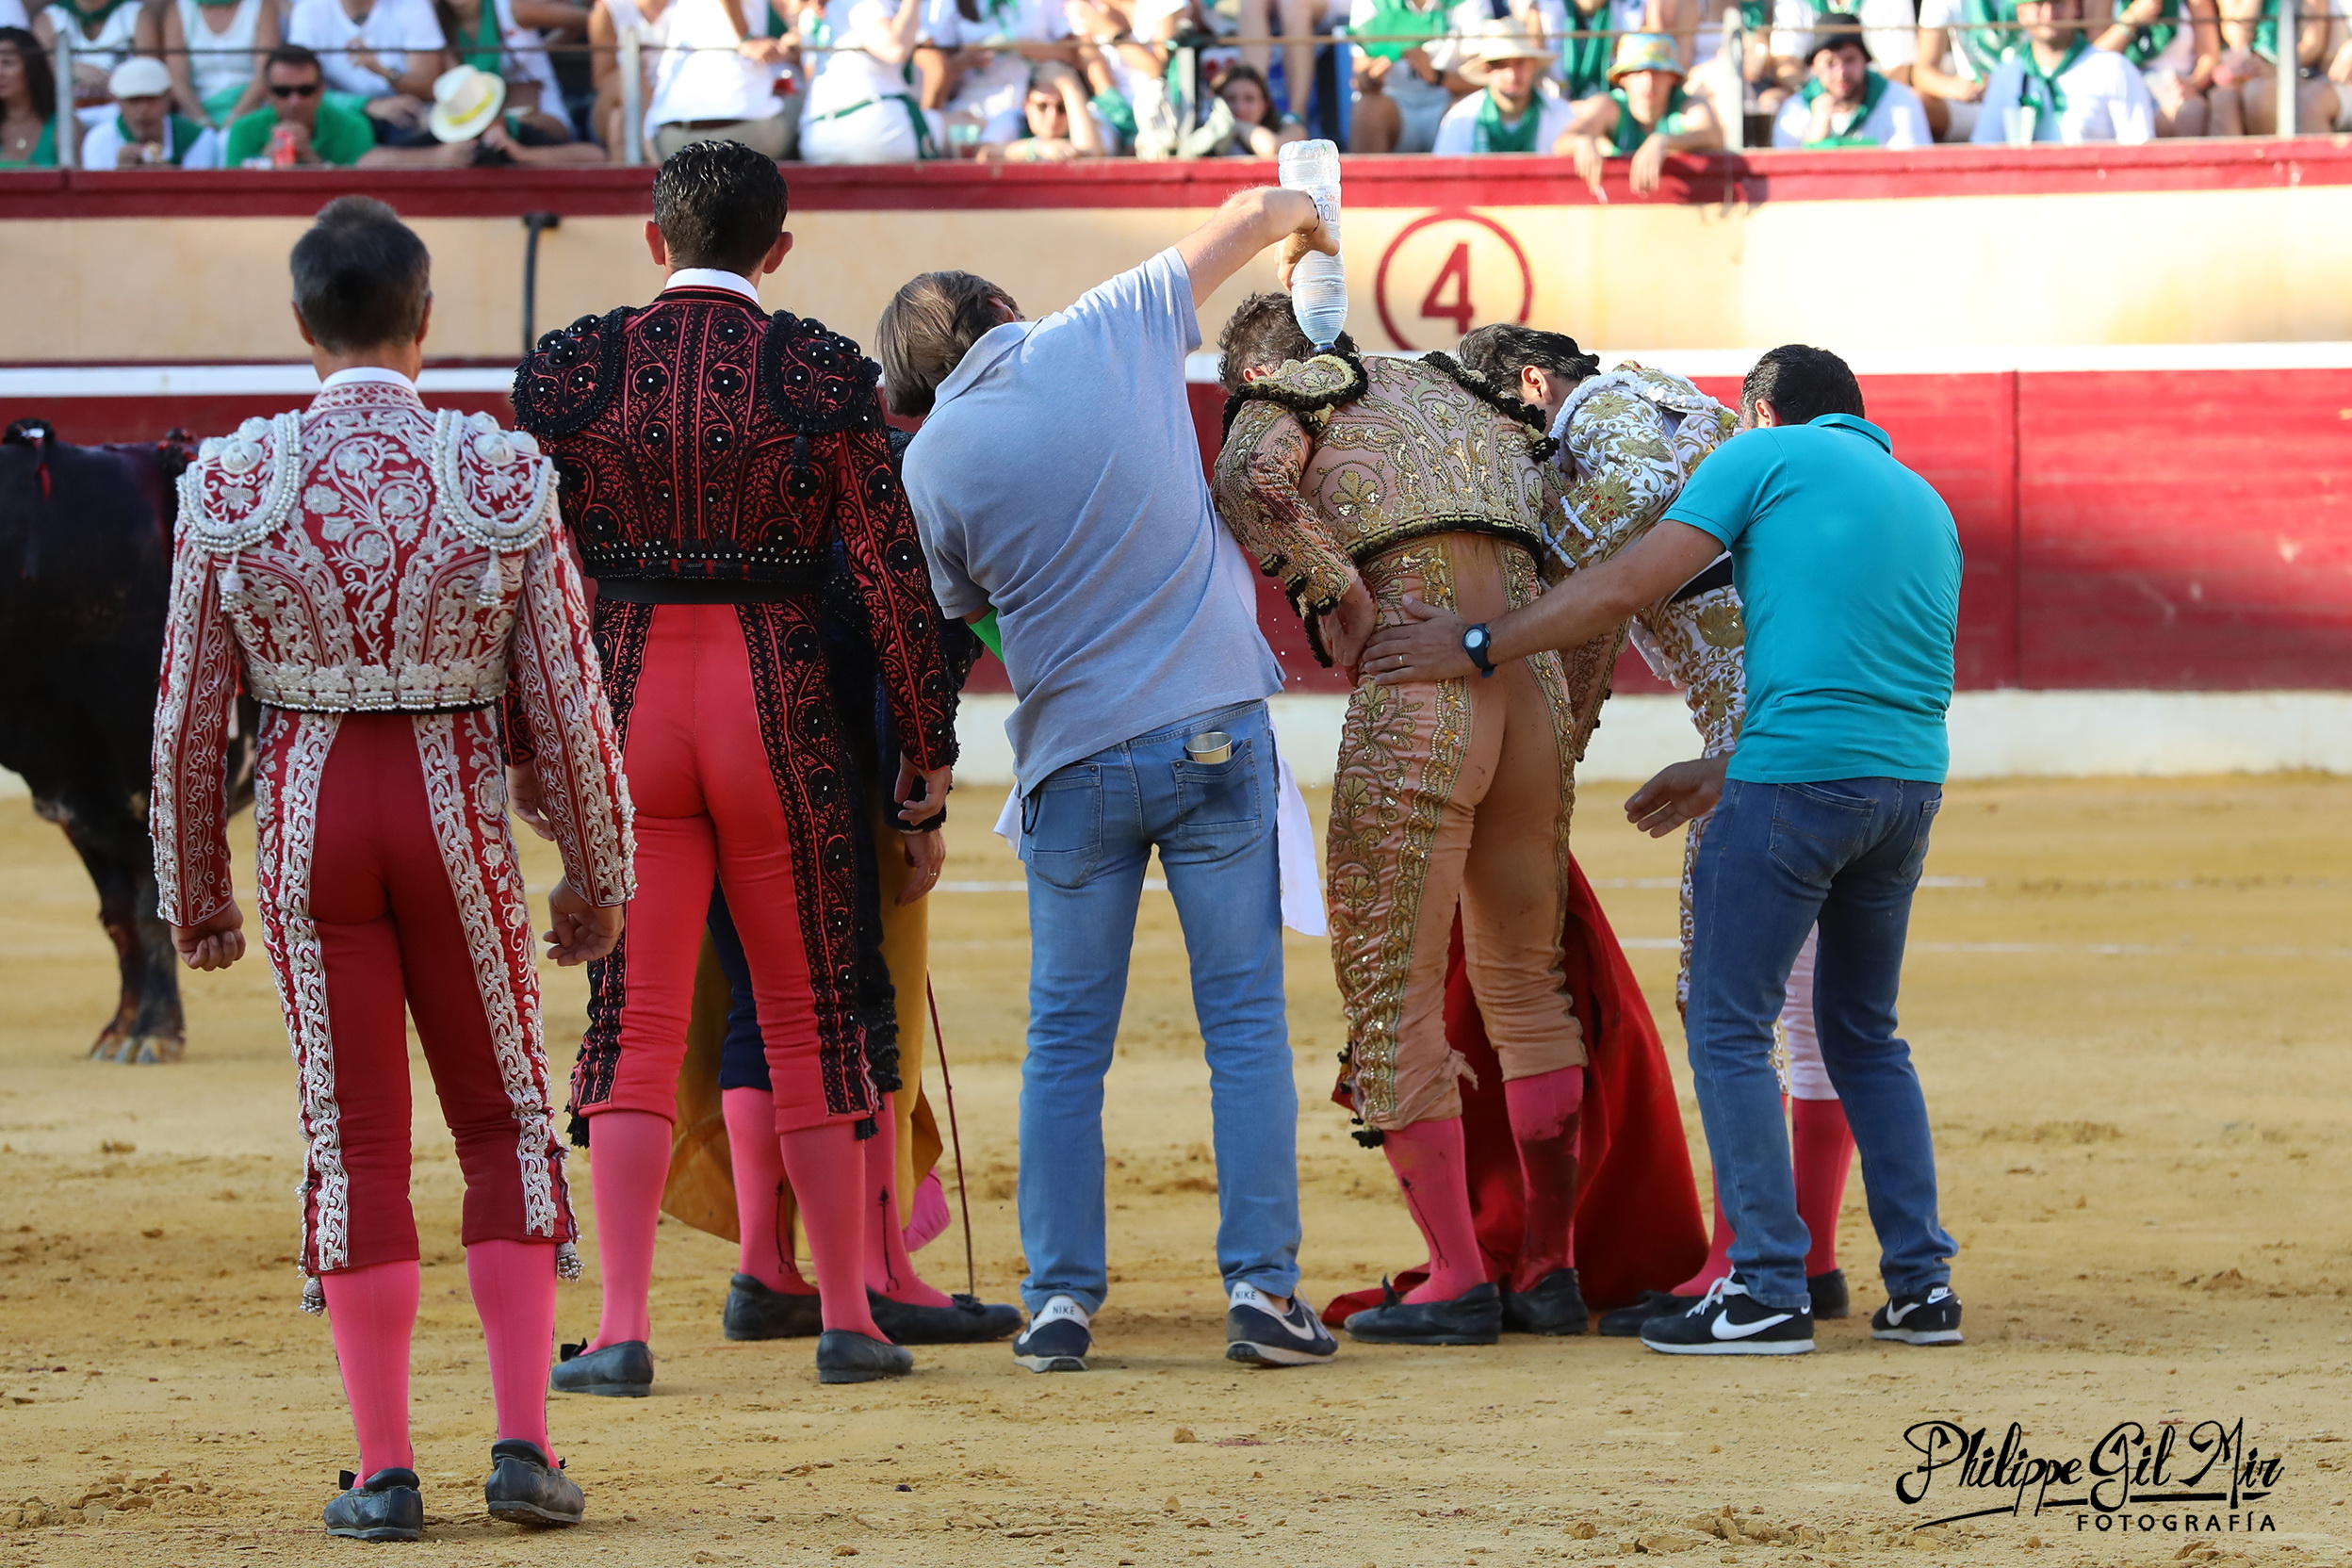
(1626, 1322)
(1474, 1317)
(624, 1370)
(1554, 1306)
(1830, 1298)
(524, 1489)
(755, 1312)
(846, 1356)
(388, 1507)
(969, 1321)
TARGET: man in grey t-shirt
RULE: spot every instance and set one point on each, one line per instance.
(1057, 482)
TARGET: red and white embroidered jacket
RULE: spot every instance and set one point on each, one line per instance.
(368, 554)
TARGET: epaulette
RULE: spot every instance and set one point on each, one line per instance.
(818, 382)
(565, 382)
(494, 487)
(1313, 385)
(244, 487)
(1540, 446)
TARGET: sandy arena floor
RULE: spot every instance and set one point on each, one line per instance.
(2127, 1001)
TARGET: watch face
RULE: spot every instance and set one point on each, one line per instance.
(1476, 637)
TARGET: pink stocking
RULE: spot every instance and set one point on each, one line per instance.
(766, 1247)
(1824, 1154)
(1429, 1166)
(889, 1269)
(827, 1170)
(513, 1287)
(628, 1161)
(372, 1312)
(1718, 1262)
(1544, 1126)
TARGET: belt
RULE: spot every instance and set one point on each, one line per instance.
(914, 112)
(631, 590)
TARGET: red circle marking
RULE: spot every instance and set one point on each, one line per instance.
(1380, 279)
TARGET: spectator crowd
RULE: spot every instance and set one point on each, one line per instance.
(201, 84)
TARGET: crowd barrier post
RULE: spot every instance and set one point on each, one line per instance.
(68, 122)
(1735, 114)
(2290, 71)
(632, 96)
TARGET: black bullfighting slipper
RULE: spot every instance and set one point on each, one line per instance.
(1830, 1296)
(1554, 1306)
(524, 1489)
(755, 1312)
(1474, 1317)
(846, 1356)
(967, 1321)
(624, 1370)
(1626, 1322)
(388, 1507)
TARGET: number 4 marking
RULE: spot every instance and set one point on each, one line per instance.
(1434, 306)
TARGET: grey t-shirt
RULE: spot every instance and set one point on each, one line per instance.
(1059, 479)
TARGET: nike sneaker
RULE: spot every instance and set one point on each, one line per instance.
(1057, 1338)
(1932, 1317)
(1261, 1335)
(1728, 1321)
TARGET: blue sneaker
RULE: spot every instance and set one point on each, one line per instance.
(1057, 1338)
(1258, 1333)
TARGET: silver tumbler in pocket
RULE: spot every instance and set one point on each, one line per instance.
(1213, 745)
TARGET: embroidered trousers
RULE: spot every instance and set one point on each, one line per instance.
(1452, 795)
(388, 885)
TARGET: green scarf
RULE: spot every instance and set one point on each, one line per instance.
(488, 50)
(2266, 31)
(1494, 137)
(2154, 38)
(1630, 133)
(1584, 62)
(2041, 89)
(1855, 135)
(1982, 48)
(1400, 19)
(179, 139)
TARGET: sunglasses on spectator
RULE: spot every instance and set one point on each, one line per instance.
(301, 89)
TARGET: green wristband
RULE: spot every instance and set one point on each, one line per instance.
(985, 628)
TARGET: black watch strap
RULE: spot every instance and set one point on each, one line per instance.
(1476, 648)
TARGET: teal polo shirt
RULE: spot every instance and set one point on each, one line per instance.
(1848, 566)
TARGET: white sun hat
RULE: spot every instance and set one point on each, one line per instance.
(464, 101)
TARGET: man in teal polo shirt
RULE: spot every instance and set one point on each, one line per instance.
(1848, 566)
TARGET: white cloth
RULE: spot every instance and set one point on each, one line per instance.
(1899, 120)
(363, 374)
(393, 30)
(1890, 29)
(712, 277)
(12, 15)
(1805, 1077)
(996, 92)
(1950, 15)
(112, 45)
(700, 78)
(214, 73)
(2106, 101)
(1457, 133)
(848, 75)
(104, 146)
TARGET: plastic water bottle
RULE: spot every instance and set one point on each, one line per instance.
(1318, 284)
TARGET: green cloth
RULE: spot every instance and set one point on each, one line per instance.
(44, 153)
(1394, 18)
(488, 50)
(183, 140)
(1118, 114)
(1848, 566)
(340, 137)
(218, 105)
(1629, 133)
(1980, 48)
(1496, 134)
(1857, 133)
(2041, 90)
(992, 639)
(2152, 38)
(1584, 62)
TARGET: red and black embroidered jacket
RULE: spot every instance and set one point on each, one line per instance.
(700, 439)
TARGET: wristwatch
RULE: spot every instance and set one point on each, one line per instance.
(1476, 641)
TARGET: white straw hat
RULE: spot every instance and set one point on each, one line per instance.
(140, 76)
(464, 101)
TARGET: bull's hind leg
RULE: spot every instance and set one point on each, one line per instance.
(161, 1032)
(147, 1024)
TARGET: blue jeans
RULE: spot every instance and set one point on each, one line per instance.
(1088, 830)
(1776, 859)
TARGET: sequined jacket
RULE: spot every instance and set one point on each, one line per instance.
(701, 440)
(368, 554)
(1318, 478)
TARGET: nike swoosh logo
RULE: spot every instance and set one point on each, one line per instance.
(1895, 1315)
(1723, 1328)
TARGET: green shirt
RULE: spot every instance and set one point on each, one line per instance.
(341, 134)
(1848, 566)
(1629, 133)
(44, 153)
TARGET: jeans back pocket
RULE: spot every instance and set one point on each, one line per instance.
(1218, 804)
(1818, 831)
(1061, 825)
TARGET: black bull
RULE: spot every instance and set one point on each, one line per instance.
(85, 579)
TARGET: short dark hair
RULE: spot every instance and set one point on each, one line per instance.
(39, 81)
(292, 53)
(1802, 384)
(1263, 331)
(1499, 353)
(1835, 30)
(927, 327)
(361, 276)
(719, 205)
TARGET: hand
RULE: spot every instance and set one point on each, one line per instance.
(1971, 93)
(1649, 165)
(926, 856)
(1683, 792)
(920, 805)
(1347, 625)
(1591, 163)
(216, 941)
(495, 137)
(579, 932)
(1307, 235)
(526, 800)
(1424, 647)
(765, 50)
(364, 59)
(299, 136)
(1372, 72)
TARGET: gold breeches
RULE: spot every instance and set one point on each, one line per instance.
(1452, 793)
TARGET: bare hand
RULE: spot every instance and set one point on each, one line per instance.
(921, 793)
(1348, 625)
(766, 51)
(1591, 163)
(1424, 647)
(1683, 792)
(579, 932)
(1307, 235)
(526, 800)
(216, 941)
(926, 856)
(1649, 166)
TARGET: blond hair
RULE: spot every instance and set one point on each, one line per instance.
(927, 327)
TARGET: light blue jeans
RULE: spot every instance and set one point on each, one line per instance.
(1777, 860)
(1088, 830)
